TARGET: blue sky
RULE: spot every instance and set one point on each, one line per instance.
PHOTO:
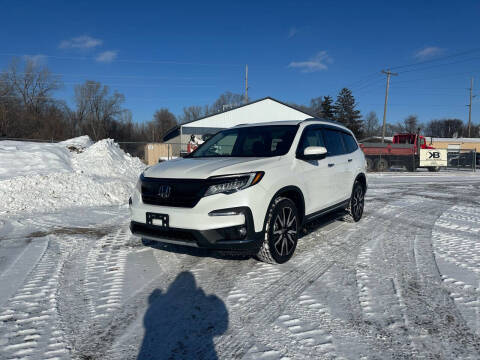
(180, 53)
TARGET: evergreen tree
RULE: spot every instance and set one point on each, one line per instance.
(346, 112)
(328, 108)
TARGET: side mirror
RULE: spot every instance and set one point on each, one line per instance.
(314, 153)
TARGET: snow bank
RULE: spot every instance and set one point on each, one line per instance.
(106, 159)
(30, 158)
(46, 177)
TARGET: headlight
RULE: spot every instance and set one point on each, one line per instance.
(233, 183)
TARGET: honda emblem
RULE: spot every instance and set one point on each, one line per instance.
(164, 191)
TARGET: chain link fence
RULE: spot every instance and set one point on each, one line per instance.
(463, 160)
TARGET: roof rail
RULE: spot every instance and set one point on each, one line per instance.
(325, 120)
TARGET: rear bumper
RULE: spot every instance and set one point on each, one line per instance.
(223, 238)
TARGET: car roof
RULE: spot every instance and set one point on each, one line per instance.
(307, 121)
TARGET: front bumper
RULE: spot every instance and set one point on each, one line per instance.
(224, 238)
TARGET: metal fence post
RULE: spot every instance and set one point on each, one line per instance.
(475, 160)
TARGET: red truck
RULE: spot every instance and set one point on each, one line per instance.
(403, 151)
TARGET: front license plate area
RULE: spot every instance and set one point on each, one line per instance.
(157, 219)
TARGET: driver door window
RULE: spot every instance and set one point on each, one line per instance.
(312, 136)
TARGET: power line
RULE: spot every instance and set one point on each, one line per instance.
(439, 65)
(436, 59)
(134, 61)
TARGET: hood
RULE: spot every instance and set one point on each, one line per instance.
(202, 168)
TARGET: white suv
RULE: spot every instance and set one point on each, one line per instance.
(252, 187)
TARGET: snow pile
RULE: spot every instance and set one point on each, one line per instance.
(77, 144)
(76, 172)
(106, 159)
(29, 158)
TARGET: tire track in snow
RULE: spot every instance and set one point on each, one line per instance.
(343, 240)
(104, 272)
(455, 241)
(30, 321)
(265, 307)
(415, 280)
(314, 319)
(127, 319)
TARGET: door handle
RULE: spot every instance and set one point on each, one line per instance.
(331, 165)
(350, 160)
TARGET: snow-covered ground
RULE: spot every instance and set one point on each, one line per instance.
(402, 283)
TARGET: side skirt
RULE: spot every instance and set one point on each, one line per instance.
(325, 211)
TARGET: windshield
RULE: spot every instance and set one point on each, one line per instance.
(253, 141)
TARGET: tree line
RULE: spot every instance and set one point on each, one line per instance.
(28, 109)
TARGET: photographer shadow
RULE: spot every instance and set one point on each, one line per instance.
(182, 322)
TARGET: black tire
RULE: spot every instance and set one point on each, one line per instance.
(356, 204)
(281, 232)
(434, 168)
(381, 164)
(370, 164)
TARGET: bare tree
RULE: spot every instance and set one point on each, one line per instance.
(96, 109)
(34, 86)
(163, 120)
(191, 113)
(316, 108)
(445, 128)
(371, 125)
(225, 101)
(410, 124)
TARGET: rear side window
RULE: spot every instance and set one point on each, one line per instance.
(312, 136)
(333, 142)
(350, 143)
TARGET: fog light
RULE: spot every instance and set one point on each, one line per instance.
(242, 231)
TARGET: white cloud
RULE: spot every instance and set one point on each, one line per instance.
(317, 63)
(38, 59)
(80, 42)
(428, 52)
(292, 32)
(107, 56)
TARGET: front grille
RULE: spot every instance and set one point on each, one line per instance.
(158, 232)
(184, 192)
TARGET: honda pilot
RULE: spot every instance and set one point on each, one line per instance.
(252, 188)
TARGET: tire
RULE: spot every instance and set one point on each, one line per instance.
(356, 204)
(434, 168)
(281, 232)
(381, 164)
(370, 164)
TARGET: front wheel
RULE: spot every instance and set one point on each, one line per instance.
(357, 203)
(281, 232)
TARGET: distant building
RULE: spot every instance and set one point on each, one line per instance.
(263, 110)
(454, 144)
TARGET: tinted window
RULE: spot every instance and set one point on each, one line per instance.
(349, 142)
(312, 136)
(333, 142)
(252, 141)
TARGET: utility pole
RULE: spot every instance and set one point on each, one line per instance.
(388, 73)
(246, 83)
(470, 107)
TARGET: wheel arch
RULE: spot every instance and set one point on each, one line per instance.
(293, 193)
(362, 179)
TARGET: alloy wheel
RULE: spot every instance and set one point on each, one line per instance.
(357, 202)
(285, 231)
